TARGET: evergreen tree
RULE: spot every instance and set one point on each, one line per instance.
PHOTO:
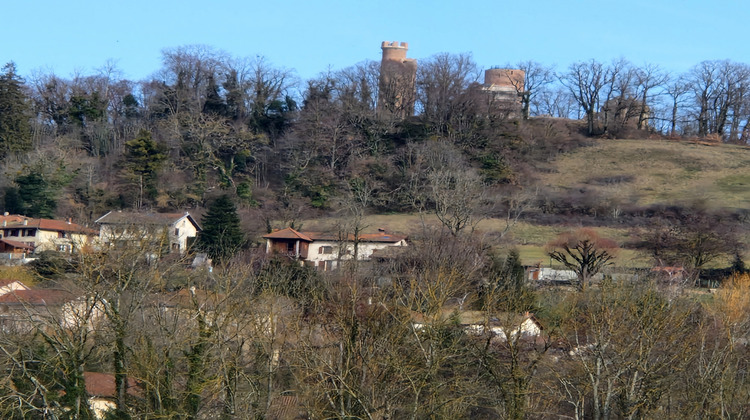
(214, 104)
(15, 128)
(35, 196)
(221, 236)
(143, 158)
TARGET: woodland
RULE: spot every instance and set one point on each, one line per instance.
(562, 176)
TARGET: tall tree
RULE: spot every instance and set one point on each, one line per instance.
(537, 76)
(15, 129)
(143, 158)
(585, 80)
(222, 235)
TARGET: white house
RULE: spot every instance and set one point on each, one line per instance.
(324, 250)
(27, 234)
(174, 229)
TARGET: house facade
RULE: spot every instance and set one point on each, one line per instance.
(325, 250)
(24, 235)
(174, 230)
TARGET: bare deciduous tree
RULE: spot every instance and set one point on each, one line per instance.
(584, 252)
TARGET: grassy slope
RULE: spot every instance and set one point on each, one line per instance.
(649, 172)
(658, 171)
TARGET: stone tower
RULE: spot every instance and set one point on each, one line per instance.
(397, 86)
(504, 89)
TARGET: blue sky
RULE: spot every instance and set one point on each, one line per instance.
(310, 36)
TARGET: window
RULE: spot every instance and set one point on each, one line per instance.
(176, 247)
(290, 247)
(177, 232)
(325, 250)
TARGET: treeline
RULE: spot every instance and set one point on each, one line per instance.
(207, 121)
(389, 340)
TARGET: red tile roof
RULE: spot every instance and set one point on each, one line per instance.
(16, 244)
(103, 385)
(38, 297)
(7, 282)
(290, 233)
(364, 237)
(16, 221)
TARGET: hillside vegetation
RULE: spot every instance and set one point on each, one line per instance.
(646, 172)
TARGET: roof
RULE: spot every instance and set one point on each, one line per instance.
(8, 218)
(103, 385)
(38, 297)
(150, 219)
(8, 282)
(290, 233)
(16, 221)
(16, 244)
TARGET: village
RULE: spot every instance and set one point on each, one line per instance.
(395, 239)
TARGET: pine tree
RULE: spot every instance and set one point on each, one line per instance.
(222, 235)
(15, 128)
(143, 157)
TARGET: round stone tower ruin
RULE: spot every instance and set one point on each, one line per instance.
(397, 85)
(504, 79)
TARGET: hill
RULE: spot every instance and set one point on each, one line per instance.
(647, 172)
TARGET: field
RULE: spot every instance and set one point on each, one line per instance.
(635, 172)
(644, 172)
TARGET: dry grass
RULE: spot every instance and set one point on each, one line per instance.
(630, 172)
(644, 172)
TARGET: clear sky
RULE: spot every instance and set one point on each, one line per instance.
(310, 36)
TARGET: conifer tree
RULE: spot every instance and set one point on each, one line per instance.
(222, 235)
(15, 128)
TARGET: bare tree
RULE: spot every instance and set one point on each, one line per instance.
(584, 252)
(585, 81)
(537, 77)
(648, 77)
(442, 82)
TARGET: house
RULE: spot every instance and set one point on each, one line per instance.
(175, 230)
(551, 275)
(8, 286)
(499, 326)
(24, 235)
(324, 250)
(15, 251)
(22, 309)
(671, 274)
(101, 390)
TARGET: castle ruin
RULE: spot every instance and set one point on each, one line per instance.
(397, 84)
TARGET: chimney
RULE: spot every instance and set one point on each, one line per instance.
(25, 222)
(70, 220)
(6, 214)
